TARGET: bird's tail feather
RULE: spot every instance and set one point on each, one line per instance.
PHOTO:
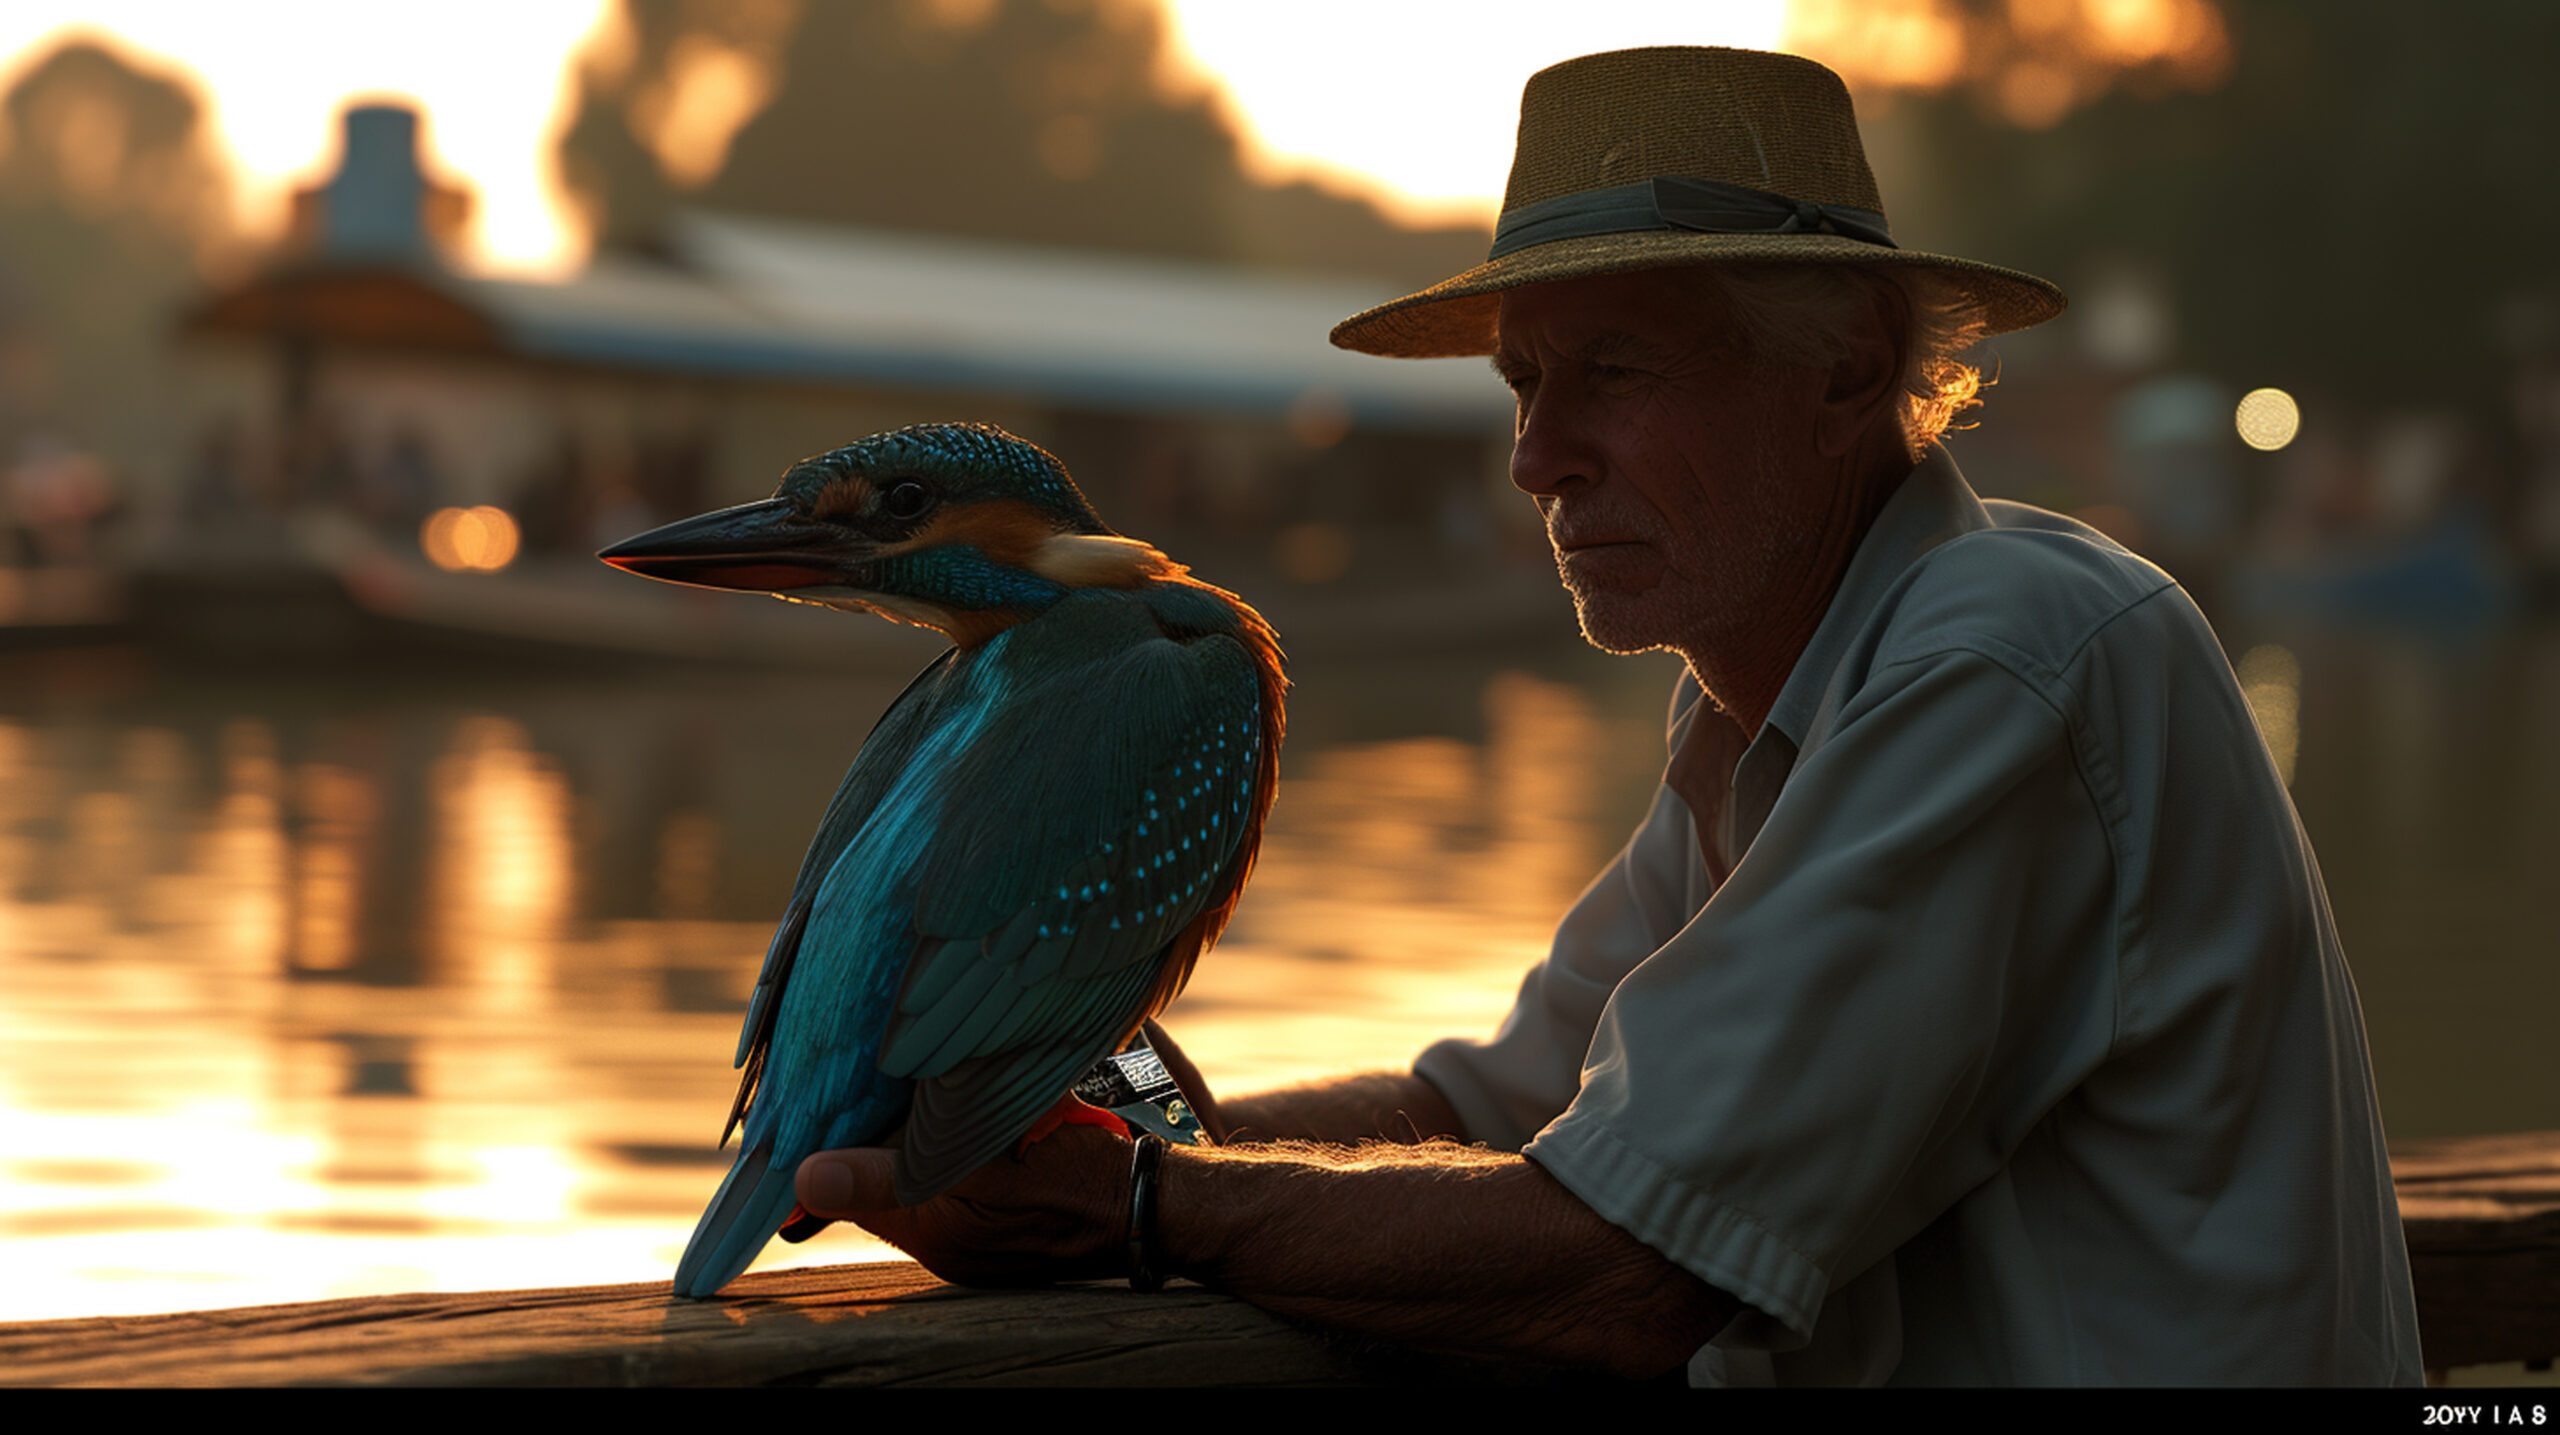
(743, 1215)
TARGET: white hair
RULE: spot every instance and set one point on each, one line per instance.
(1808, 314)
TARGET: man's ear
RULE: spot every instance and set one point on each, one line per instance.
(1865, 386)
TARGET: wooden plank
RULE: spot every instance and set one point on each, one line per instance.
(888, 1324)
(2482, 1216)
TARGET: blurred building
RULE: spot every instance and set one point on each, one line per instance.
(1196, 403)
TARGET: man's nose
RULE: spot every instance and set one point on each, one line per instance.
(1548, 448)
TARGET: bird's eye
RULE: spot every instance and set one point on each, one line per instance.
(906, 500)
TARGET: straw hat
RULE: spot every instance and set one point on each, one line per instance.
(1642, 159)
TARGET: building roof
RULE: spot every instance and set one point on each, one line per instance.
(748, 298)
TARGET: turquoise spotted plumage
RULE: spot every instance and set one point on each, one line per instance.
(1034, 844)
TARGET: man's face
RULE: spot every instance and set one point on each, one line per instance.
(1679, 481)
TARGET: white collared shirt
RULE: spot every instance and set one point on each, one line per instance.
(2015, 1045)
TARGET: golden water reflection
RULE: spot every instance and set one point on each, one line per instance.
(327, 985)
(333, 996)
(1404, 885)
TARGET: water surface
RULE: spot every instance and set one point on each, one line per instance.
(416, 977)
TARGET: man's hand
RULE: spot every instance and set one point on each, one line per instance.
(1058, 1212)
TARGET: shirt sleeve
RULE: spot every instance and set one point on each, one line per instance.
(1504, 1090)
(1870, 1013)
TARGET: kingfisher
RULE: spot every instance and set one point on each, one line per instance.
(1037, 841)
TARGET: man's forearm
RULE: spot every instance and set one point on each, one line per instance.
(1440, 1246)
(1393, 1106)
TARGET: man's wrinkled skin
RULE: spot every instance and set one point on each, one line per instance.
(1671, 468)
(1699, 500)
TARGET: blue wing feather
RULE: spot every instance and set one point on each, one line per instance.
(752, 1200)
(847, 811)
(1082, 817)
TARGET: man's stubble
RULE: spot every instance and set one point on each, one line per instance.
(1702, 599)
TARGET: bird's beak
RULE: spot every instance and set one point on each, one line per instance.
(762, 547)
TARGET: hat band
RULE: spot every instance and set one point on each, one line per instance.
(1671, 202)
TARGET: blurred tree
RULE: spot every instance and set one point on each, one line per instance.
(1027, 120)
(111, 205)
(662, 92)
(2351, 212)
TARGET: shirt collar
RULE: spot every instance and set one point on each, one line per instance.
(1933, 505)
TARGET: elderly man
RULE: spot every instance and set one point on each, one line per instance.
(1967, 1008)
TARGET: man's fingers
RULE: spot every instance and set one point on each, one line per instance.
(844, 1184)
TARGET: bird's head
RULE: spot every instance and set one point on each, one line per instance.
(961, 527)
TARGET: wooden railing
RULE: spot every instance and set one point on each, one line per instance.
(2482, 1215)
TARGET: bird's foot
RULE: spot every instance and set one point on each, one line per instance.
(1070, 1111)
(800, 1225)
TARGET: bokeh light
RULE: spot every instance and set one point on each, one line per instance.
(481, 539)
(1319, 418)
(2268, 419)
(1312, 552)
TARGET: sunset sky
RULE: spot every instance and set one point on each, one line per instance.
(1431, 137)
(1412, 104)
